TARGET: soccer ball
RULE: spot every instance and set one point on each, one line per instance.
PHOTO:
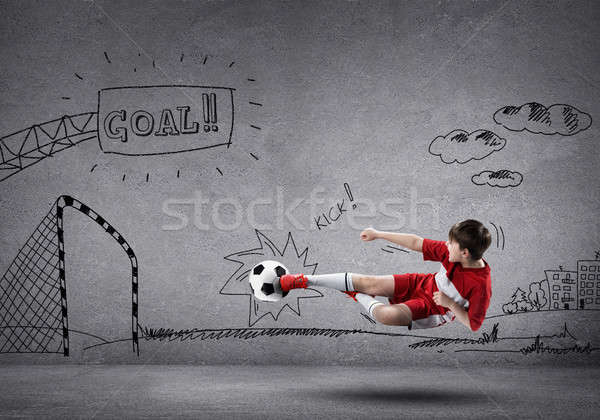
(264, 280)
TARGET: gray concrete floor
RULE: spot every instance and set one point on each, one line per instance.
(155, 391)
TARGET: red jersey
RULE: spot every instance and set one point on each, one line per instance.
(469, 287)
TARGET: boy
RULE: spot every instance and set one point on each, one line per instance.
(461, 289)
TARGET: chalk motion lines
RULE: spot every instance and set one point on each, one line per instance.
(33, 296)
(27, 147)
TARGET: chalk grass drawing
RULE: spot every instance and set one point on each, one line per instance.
(459, 146)
(563, 342)
(562, 119)
(237, 284)
(503, 178)
(33, 297)
(31, 145)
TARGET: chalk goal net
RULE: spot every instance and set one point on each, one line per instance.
(33, 296)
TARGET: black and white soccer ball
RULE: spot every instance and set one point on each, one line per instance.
(264, 280)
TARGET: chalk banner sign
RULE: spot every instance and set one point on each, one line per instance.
(158, 120)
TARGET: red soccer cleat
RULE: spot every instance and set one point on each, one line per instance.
(351, 295)
(293, 281)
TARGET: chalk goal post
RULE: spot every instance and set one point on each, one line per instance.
(33, 290)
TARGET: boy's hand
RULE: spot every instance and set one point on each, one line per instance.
(441, 299)
(368, 234)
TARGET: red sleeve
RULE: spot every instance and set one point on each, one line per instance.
(434, 250)
(479, 302)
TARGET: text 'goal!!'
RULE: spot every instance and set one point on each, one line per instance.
(156, 120)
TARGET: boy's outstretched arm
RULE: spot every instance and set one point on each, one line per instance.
(407, 240)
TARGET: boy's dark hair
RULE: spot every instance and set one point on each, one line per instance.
(471, 234)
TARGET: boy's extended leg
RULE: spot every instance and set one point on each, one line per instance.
(367, 286)
(346, 282)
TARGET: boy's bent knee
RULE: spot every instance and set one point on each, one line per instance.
(397, 315)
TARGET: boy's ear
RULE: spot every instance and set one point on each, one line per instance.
(465, 253)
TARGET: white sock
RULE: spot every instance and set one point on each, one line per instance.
(338, 281)
(368, 302)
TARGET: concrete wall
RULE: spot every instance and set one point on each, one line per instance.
(323, 102)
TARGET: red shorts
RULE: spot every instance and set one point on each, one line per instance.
(415, 290)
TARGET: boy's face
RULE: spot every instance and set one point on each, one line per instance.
(455, 253)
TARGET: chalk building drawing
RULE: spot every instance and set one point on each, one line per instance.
(588, 279)
(563, 289)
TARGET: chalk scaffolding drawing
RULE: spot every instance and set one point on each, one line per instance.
(459, 146)
(536, 118)
(237, 284)
(31, 145)
(33, 297)
(503, 178)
